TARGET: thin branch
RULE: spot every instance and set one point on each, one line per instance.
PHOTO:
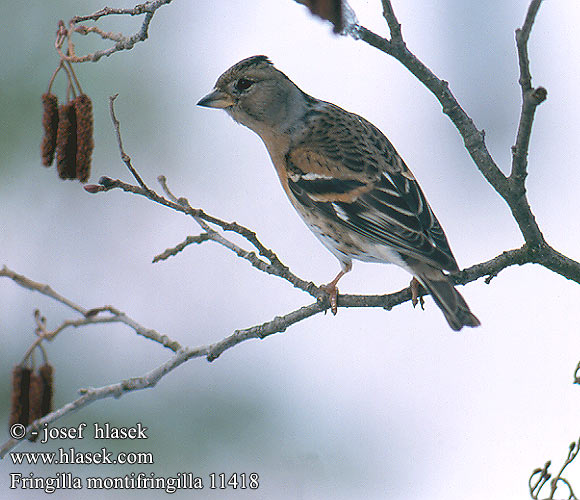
(150, 379)
(122, 42)
(90, 316)
(557, 262)
(147, 7)
(474, 139)
(536, 486)
(124, 156)
(540, 477)
(114, 390)
(277, 325)
(274, 266)
(190, 240)
(213, 351)
(27, 283)
(522, 37)
(393, 22)
(246, 233)
(531, 98)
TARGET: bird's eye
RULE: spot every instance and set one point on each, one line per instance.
(243, 84)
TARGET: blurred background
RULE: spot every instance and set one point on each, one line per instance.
(367, 404)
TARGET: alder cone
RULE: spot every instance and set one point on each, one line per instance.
(331, 10)
(84, 136)
(50, 126)
(40, 395)
(20, 391)
(66, 141)
(34, 400)
(46, 373)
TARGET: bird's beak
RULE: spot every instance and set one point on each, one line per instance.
(216, 99)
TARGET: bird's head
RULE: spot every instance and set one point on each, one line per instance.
(254, 93)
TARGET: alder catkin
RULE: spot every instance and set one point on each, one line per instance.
(34, 400)
(46, 373)
(50, 126)
(331, 10)
(40, 395)
(66, 141)
(20, 391)
(85, 142)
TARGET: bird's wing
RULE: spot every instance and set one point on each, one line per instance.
(346, 169)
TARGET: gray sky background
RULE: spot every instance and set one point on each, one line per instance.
(367, 404)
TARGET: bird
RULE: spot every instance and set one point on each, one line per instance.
(346, 181)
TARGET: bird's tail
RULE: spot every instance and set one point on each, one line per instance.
(449, 300)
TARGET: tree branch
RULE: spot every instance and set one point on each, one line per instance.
(211, 352)
(531, 98)
(273, 265)
(472, 137)
(122, 42)
(90, 316)
(511, 189)
(540, 477)
(124, 156)
(393, 22)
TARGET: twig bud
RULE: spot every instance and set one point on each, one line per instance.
(540, 94)
(93, 188)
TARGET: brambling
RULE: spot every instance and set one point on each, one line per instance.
(345, 179)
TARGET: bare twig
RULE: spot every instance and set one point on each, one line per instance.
(271, 266)
(577, 374)
(181, 354)
(213, 351)
(90, 316)
(190, 240)
(511, 189)
(122, 42)
(540, 477)
(114, 390)
(536, 484)
(124, 156)
(531, 98)
(25, 282)
(522, 37)
(393, 22)
(473, 138)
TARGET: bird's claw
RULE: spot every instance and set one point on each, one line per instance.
(332, 292)
(415, 297)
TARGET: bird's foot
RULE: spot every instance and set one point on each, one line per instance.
(415, 297)
(332, 292)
